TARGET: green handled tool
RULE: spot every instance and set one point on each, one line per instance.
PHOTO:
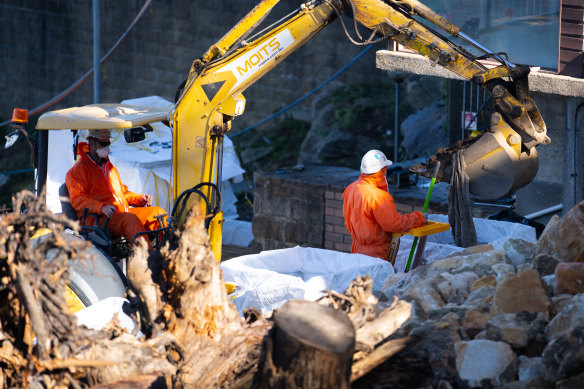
(426, 203)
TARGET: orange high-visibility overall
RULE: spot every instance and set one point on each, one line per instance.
(92, 186)
(371, 217)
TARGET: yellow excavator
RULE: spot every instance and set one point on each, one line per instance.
(501, 161)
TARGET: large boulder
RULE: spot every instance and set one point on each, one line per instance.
(563, 238)
(425, 131)
(345, 123)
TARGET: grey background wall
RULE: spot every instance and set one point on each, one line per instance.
(46, 45)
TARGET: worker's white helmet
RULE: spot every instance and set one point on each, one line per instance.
(373, 161)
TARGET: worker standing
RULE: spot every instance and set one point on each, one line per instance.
(369, 210)
(94, 183)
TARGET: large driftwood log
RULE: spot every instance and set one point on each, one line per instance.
(193, 335)
(310, 346)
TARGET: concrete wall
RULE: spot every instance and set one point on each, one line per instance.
(46, 45)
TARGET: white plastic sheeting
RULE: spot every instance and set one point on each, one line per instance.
(267, 280)
(145, 167)
(488, 231)
(96, 316)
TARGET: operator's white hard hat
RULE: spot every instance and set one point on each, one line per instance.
(373, 161)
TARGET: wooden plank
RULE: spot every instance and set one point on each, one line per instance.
(567, 42)
(572, 29)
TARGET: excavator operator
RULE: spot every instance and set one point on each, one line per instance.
(94, 183)
(369, 210)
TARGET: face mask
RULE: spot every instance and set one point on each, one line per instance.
(103, 153)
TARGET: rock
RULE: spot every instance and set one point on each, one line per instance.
(550, 283)
(519, 251)
(524, 291)
(569, 278)
(391, 281)
(523, 267)
(455, 288)
(479, 248)
(423, 132)
(502, 270)
(343, 128)
(447, 309)
(574, 382)
(563, 357)
(480, 299)
(517, 329)
(550, 224)
(534, 383)
(255, 153)
(437, 340)
(545, 264)
(485, 281)
(567, 319)
(559, 302)
(474, 322)
(426, 295)
(535, 348)
(484, 362)
(432, 274)
(529, 368)
(416, 319)
(564, 238)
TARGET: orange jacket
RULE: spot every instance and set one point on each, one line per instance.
(93, 186)
(371, 217)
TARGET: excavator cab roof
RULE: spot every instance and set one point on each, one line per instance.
(101, 117)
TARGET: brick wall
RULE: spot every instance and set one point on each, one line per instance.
(336, 236)
(291, 208)
(46, 45)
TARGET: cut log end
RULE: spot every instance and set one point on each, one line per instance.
(310, 345)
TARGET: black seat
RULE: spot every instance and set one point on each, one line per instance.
(66, 206)
(98, 235)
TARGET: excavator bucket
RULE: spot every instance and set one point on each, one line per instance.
(495, 163)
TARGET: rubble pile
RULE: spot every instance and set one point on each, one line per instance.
(511, 318)
(494, 318)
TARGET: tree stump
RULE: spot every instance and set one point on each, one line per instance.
(309, 346)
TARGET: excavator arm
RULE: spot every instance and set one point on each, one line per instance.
(504, 158)
(500, 161)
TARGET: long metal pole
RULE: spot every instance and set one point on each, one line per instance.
(96, 56)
